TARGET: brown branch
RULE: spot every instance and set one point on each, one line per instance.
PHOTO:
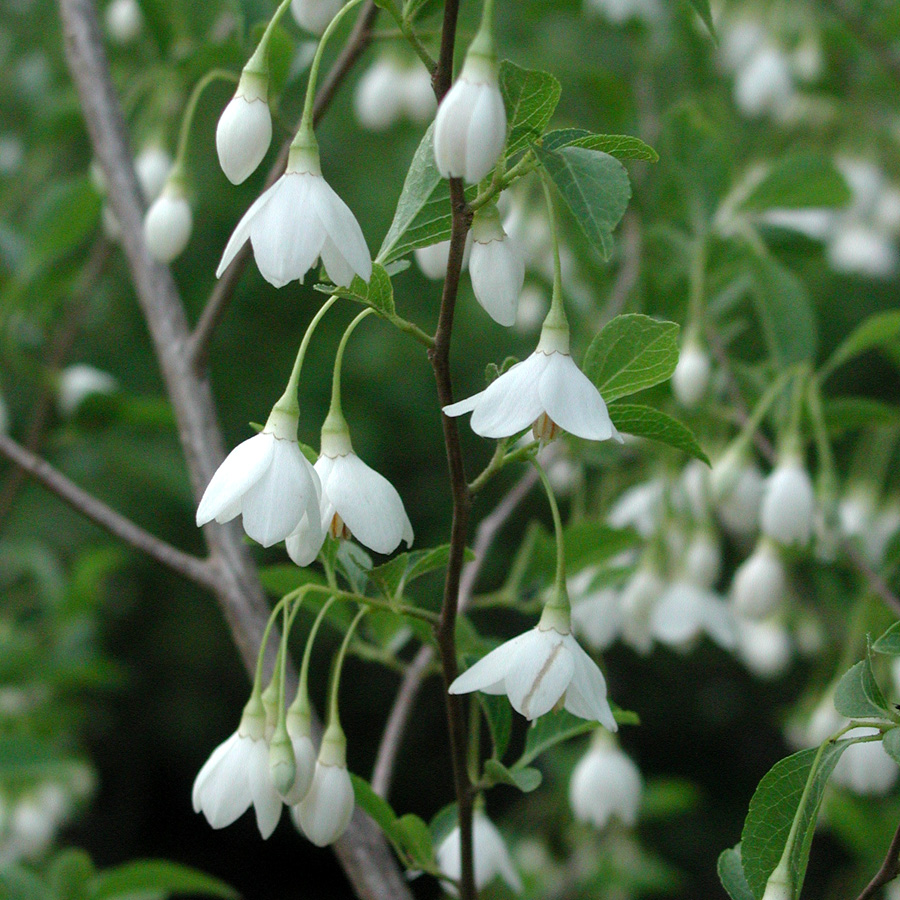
(191, 567)
(876, 583)
(362, 850)
(60, 348)
(223, 292)
(889, 870)
(399, 717)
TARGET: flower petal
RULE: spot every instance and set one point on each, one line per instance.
(539, 673)
(242, 230)
(490, 670)
(463, 406)
(511, 402)
(368, 503)
(572, 401)
(274, 506)
(343, 229)
(226, 795)
(486, 134)
(586, 695)
(266, 802)
(240, 470)
(208, 768)
(498, 272)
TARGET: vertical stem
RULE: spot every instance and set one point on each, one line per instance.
(335, 408)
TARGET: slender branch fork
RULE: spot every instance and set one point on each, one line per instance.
(889, 870)
(363, 851)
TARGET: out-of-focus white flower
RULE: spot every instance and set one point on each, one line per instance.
(532, 309)
(470, 126)
(620, 12)
(815, 224)
(605, 785)
(788, 504)
(124, 21)
(433, 259)
(496, 267)
(236, 775)
(638, 600)
(168, 223)
(295, 222)
(758, 587)
(244, 130)
(764, 85)
(856, 510)
(703, 560)
(865, 769)
(418, 94)
(325, 812)
(547, 391)
(887, 211)
(685, 611)
(737, 488)
(152, 166)
(378, 100)
(740, 41)
(764, 646)
(12, 154)
(884, 527)
(691, 376)
(538, 669)
(640, 507)
(77, 383)
(693, 494)
(859, 248)
(269, 482)
(314, 16)
(595, 614)
(490, 856)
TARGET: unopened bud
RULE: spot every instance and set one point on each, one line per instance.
(244, 131)
(282, 766)
(168, 223)
(691, 376)
(124, 21)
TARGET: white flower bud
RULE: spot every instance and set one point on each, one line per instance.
(865, 769)
(788, 504)
(637, 602)
(282, 768)
(12, 154)
(168, 224)
(737, 488)
(885, 526)
(378, 100)
(124, 21)
(496, 267)
(740, 42)
(858, 248)
(605, 784)
(703, 560)
(470, 126)
(759, 582)
(244, 131)
(79, 382)
(691, 376)
(152, 166)
(490, 856)
(764, 84)
(325, 812)
(304, 757)
(315, 15)
(432, 260)
(765, 647)
(887, 211)
(418, 94)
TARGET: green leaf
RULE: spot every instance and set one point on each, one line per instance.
(550, 730)
(647, 422)
(282, 578)
(891, 744)
(17, 883)
(858, 695)
(705, 13)
(378, 293)
(498, 713)
(844, 414)
(594, 185)
(731, 874)
(785, 311)
(621, 146)
(798, 181)
(416, 839)
(70, 873)
(889, 642)
(590, 542)
(156, 875)
(631, 353)
(393, 576)
(530, 97)
(876, 331)
(525, 778)
(772, 810)
(444, 821)
(354, 564)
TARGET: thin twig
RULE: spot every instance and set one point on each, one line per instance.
(60, 348)
(876, 583)
(191, 567)
(402, 708)
(889, 870)
(223, 292)
(861, 27)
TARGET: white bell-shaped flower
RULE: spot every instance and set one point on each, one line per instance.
(244, 131)
(691, 376)
(737, 488)
(758, 587)
(433, 259)
(861, 249)
(325, 812)
(540, 668)
(865, 769)
(788, 504)
(124, 21)
(418, 94)
(765, 84)
(685, 611)
(378, 100)
(638, 600)
(79, 382)
(314, 16)
(856, 510)
(547, 391)
(152, 167)
(595, 613)
(605, 784)
(764, 646)
(168, 223)
(236, 775)
(490, 857)
(298, 220)
(496, 267)
(298, 728)
(640, 507)
(470, 126)
(356, 498)
(269, 482)
(703, 560)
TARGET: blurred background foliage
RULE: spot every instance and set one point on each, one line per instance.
(117, 679)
